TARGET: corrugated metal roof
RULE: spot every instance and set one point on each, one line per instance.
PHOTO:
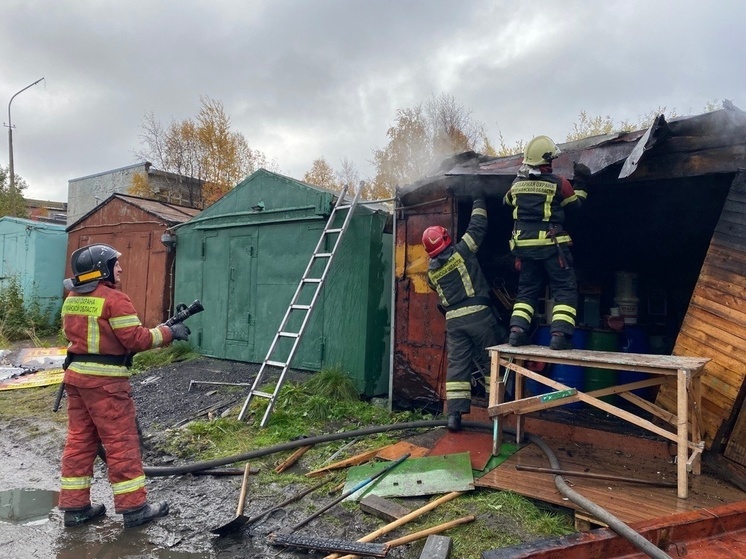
(33, 224)
(663, 150)
(169, 212)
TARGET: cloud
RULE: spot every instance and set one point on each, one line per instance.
(302, 80)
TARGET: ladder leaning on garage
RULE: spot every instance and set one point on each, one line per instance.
(311, 283)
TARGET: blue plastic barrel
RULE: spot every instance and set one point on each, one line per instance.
(572, 375)
(634, 339)
(542, 336)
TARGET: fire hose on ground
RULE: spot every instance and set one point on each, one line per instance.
(598, 512)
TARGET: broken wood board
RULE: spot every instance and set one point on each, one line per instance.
(619, 498)
(478, 445)
(351, 461)
(394, 451)
(414, 477)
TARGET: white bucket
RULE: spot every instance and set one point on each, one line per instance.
(626, 285)
(628, 308)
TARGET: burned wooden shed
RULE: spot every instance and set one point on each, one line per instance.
(663, 231)
(139, 228)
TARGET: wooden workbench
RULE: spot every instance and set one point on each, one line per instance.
(683, 372)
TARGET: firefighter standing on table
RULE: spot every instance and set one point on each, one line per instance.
(454, 273)
(104, 331)
(540, 244)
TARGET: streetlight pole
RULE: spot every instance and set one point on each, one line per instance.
(10, 135)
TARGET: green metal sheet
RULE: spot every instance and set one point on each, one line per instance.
(506, 451)
(414, 477)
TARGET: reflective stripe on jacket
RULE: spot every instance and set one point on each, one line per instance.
(455, 273)
(539, 203)
(104, 322)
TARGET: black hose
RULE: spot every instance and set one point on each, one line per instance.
(635, 538)
(601, 514)
(158, 471)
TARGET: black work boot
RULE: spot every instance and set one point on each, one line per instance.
(454, 421)
(81, 516)
(518, 336)
(145, 514)
(560, 341)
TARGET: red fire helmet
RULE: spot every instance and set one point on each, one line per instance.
(436, 239)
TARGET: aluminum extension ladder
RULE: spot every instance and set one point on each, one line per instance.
(312, 280)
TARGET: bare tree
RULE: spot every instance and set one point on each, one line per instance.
(205, 148)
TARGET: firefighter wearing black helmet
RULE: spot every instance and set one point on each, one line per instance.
(103, 331)
(541, 245)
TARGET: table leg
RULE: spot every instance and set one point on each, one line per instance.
(497, 396)
(696, 400)
(518, 395)
(682, 407)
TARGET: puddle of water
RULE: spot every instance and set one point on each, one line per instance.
(27, 506)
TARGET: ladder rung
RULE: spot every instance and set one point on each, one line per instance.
(343, 207)
(275, 363)
(300, 307)
(288, 334)
(262, 394)
(337, 230)
(322, 255)
(312, 280)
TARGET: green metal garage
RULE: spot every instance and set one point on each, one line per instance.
(244, 256)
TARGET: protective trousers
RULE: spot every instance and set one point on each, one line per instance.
(467, 337)
(563, 286)
(105, 414)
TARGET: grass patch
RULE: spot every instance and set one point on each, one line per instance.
(30, 403)
(177, 351)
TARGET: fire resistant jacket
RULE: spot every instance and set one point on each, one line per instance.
(539, 202)
(104, 323)
(455, 273)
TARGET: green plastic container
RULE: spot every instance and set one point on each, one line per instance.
(596, 378)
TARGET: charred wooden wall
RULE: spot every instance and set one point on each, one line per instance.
(715, 326)
(419, 353)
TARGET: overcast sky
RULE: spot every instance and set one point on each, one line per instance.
(306, 79)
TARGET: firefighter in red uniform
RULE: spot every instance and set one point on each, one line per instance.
(541, 245)
(455, 274)
(104, 331)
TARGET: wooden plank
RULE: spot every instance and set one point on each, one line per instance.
(714, 326)
(735, 304)
(620, 499)
(352, 461)
(640, 362)
(725, 258)
(292, 459)
(723, 281)
(396, 450)
(722, 365)
(736, 318)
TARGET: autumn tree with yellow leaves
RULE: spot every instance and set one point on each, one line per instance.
(204, 148)
(421, 138)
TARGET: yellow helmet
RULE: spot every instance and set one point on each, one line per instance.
(540, 151)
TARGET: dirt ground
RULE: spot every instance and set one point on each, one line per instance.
(32, 448)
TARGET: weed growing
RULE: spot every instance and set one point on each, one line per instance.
(177, 351)
(20, 319)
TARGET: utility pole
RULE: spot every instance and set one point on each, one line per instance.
(10, 135)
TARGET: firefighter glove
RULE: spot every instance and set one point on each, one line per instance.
(580, 171)
(180, 331)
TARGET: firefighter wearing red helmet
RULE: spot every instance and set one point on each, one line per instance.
(464, 294)
(103, 331)
(540, 244)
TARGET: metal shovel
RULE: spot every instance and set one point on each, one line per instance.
(240, 519)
